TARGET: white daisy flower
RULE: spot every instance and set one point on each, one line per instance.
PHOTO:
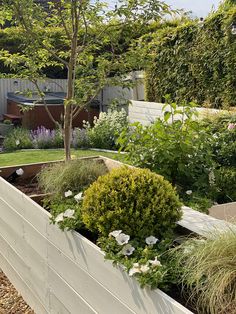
(59, 218)
(20, 172)
(68, 193)
(134, 270)
(122, 238)
(78, 197)
(189, 192)
(127, 250)
(115, 233)
(17, 142)
(69, 213)
(151, 240)
(144, 268)
(155, 262)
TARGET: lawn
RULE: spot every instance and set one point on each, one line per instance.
(33, 156)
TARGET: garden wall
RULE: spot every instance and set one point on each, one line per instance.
(147, 112)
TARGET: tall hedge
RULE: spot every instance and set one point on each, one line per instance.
(196, 62)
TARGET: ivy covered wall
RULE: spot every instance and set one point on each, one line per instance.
(196, 62)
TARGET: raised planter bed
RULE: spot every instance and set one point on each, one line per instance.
(63, 272)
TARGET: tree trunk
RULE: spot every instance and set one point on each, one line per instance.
(67, 131)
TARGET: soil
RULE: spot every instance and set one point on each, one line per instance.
(11, 302)
(29, 188)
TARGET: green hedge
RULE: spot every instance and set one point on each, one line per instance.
(196, 62)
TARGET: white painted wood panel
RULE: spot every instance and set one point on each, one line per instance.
(147, 112)
(82, 282)
(20, 285)
(66, 268)
(73, 302)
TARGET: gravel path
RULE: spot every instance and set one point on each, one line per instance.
(10, 300)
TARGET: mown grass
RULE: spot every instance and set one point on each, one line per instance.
(33, 156)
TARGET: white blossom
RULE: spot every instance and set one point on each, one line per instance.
(68, 193)
(122, 239)
(69, 213)
(17, 142)
(144, 268)
(20, 172)
(151, 240)
(127, 250)
(134, 270)
(78, 197)
(189, 192)
(155, 262)
(59, 218)
(115, 233)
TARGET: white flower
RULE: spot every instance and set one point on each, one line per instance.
(59, 218)
(115, 233)
(127, 250)
(189, 192)
(68, 193)
(69, 213)
(155, 262)
(78, 197)
(134, 270)
(151, 240)
(144, 268)
(17, 142)
(122, 238)
(20, 172)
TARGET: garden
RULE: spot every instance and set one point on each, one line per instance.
(80, 226)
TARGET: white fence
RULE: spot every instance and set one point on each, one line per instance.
(14, 85)
(147, 112)
(105, 97)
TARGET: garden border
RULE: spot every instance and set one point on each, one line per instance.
(62, 272)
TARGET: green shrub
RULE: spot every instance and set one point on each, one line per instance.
(18, 138)
(75, 176)
(137, 201)
(206, 268)
(106, 129)
(80, 138)
(180, 151)
(225, 183)
(195, 62)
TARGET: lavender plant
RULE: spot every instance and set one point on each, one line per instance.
(44, 138)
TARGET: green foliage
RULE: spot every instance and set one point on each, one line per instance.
(206, 268)
(146, 263)
(18, 138)
(225, 183)
(180, 150)
(106, 129)
(139, 202)
(6, 121)
(194, 62)
(59, 205)
(75, 176)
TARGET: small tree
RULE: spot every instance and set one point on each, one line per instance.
(90, 44)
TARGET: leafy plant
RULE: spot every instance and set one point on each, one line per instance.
(18, 138)
(193, 61)
(206, 268)
(74, 176)
(106, 129)
(140, 258)
(59, 206)
(135, 200)
(44, 138)
(175, 147)
(80, 138)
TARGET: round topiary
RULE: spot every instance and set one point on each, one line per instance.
(137, 201)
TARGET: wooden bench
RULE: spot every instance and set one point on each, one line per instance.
(16, 120)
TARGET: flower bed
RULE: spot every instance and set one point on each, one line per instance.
(61, 271)
(64, 271)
